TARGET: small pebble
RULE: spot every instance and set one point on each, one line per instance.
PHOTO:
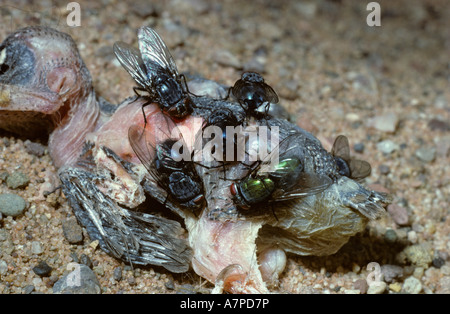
(3, 267)
(143, 9)
(384, 169)
(118, 273)
(99, 270)
(306, 9)
(28, 289)
(81, 280)
(226, 58)
(418, 255)
(131, 280)
(74, 257)
(390, 236)
(385, 123)
(412, 285)
(17, 180)
(395, 287)
(412, 236)
(85, 260)
(443, 147)
(426, 154)
(36, 149)
(387, 146)
(438, 262)
(359, 147)
(72, 230)
(170, 285)
(36, 247)
(255, 65)
(391, 272)
(399, 214)
(42, 269)
(94, 244)
(439, 125)
(444, 285)
(4, 175)
(361, 285)
(12, 204)
(418, 272)
(352, 117)
(377, 287)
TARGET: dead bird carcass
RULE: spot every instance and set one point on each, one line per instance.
(107, 185)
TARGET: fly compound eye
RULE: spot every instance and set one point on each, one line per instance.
(233, 189)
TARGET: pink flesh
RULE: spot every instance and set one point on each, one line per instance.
(67, 140)
(217, 245)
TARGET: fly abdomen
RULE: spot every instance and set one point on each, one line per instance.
(182, 187)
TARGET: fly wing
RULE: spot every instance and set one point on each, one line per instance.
(341, 148)
(359, 169)
(305, 185)
(155, 54)
(139, 138)
(130, 58)
(237, 87)
(292, 183)
(271, 95)
(164, 143)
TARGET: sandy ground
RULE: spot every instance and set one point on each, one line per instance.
(335, 75)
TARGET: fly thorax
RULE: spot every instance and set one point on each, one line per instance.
(169, 91)
(252, 96)
(255, 190)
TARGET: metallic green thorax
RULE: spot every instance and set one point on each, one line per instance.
(255, 190)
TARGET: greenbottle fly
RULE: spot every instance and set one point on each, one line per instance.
(288, 179)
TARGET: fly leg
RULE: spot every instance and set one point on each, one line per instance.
(182, 76)
(148, 102)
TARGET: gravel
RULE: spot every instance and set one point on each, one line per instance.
(412, 285)
(361, 285)
(426, 154)
(36, 149)
(387, 146)
(72, 231)
(81, 280)
(377, 287)
(398, 213)
(17, 180)
(12, 205)
(391, 272)
(385, 123)
(42, 269)
(417, 255)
